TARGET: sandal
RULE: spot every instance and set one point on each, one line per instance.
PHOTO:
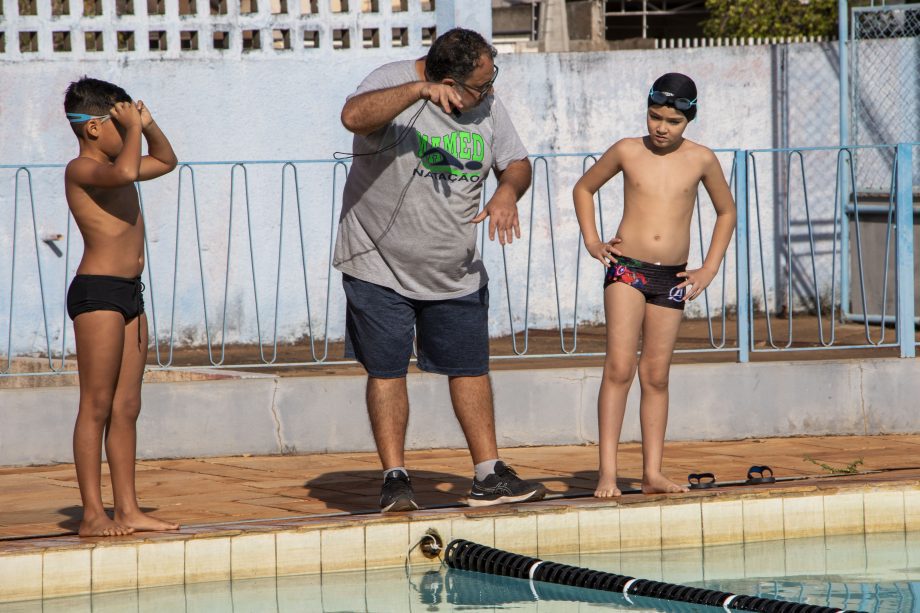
(758, 475)
(701, 481)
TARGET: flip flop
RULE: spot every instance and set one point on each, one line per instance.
(758, 475)
(701, 481)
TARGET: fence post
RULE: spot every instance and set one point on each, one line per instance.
(843, 67)
(742, 264)
(904, 251)
(843, 34)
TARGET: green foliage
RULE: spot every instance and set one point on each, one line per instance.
(849, 469)
(769, 18)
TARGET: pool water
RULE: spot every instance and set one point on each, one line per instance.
(877, 572)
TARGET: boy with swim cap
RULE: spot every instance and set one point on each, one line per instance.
(105, 299)
(647, 282)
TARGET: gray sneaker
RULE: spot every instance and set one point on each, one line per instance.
(396, 493)
(503, 486)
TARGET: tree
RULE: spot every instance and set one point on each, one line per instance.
(769, 18)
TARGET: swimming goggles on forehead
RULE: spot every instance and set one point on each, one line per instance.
(681, 104)
(81, 117)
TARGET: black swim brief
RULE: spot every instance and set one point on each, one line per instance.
(657, 283)
(104, 293)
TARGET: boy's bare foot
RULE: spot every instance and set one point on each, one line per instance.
(659, 484)
(102, 526)
(607, 487)
(141, 522)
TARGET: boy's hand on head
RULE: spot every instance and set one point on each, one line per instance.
(605, 253)
(146, 117)
(126, 114)
(443, 95)
(695, 282)
(503, 216)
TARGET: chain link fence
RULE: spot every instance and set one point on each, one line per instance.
(800, 186)
(885, 88)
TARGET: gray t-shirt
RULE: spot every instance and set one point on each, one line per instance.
(406, 211)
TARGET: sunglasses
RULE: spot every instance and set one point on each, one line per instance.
(81, 117)
(485, 88)
(681, 104)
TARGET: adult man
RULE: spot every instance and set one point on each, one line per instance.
(427, 132)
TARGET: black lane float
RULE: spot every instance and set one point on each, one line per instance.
(467, 555)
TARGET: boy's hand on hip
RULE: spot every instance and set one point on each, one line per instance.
(126, 114)
(606, 253)
(503, 216)
(695, 282)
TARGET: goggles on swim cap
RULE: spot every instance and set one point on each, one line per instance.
(681, 104)
(81, 117)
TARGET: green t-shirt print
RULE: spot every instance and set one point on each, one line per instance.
(457, 155)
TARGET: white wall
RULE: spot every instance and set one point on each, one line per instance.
(262, 414)
(247, 108)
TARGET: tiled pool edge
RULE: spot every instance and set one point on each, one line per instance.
(68, 566)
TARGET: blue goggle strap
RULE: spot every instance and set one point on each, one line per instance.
(81, 117)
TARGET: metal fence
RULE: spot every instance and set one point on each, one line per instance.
(826, 237)
(240, 252)
(884, 55)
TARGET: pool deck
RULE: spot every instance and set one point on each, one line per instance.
(44, 501)
(261, 515)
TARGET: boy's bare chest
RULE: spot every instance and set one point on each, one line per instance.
(669, 179)
(120, 203)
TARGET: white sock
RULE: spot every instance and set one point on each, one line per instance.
(484, 469)
(401, 469)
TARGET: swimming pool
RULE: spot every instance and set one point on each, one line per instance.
(872, 572)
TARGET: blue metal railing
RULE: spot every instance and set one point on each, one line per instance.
(816, 197)
(795, 165)
(542, 176)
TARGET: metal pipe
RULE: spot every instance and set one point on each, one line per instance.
(742, 263)
(904, 250)
(843, 36)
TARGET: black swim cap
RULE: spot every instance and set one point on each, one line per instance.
(675, 85)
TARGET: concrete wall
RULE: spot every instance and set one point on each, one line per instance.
(266, 415)
(263, 107)
(281, 109)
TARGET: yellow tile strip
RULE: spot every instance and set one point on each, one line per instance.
(748, 527)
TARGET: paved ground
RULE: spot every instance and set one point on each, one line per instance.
(807, 332)
(45, 500)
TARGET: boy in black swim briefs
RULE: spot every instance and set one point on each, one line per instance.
(647, 282)
(105, 298)
(659, 284)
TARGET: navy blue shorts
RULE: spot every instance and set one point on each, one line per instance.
(380, 325)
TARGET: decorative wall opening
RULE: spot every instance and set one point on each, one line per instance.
(60, 41)
(112, 29)
(125, 41)
(188, 40)
(157, 40)
(251, 40)
(341, 39)
(370, 38)
(281, 39)
(92, 42)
